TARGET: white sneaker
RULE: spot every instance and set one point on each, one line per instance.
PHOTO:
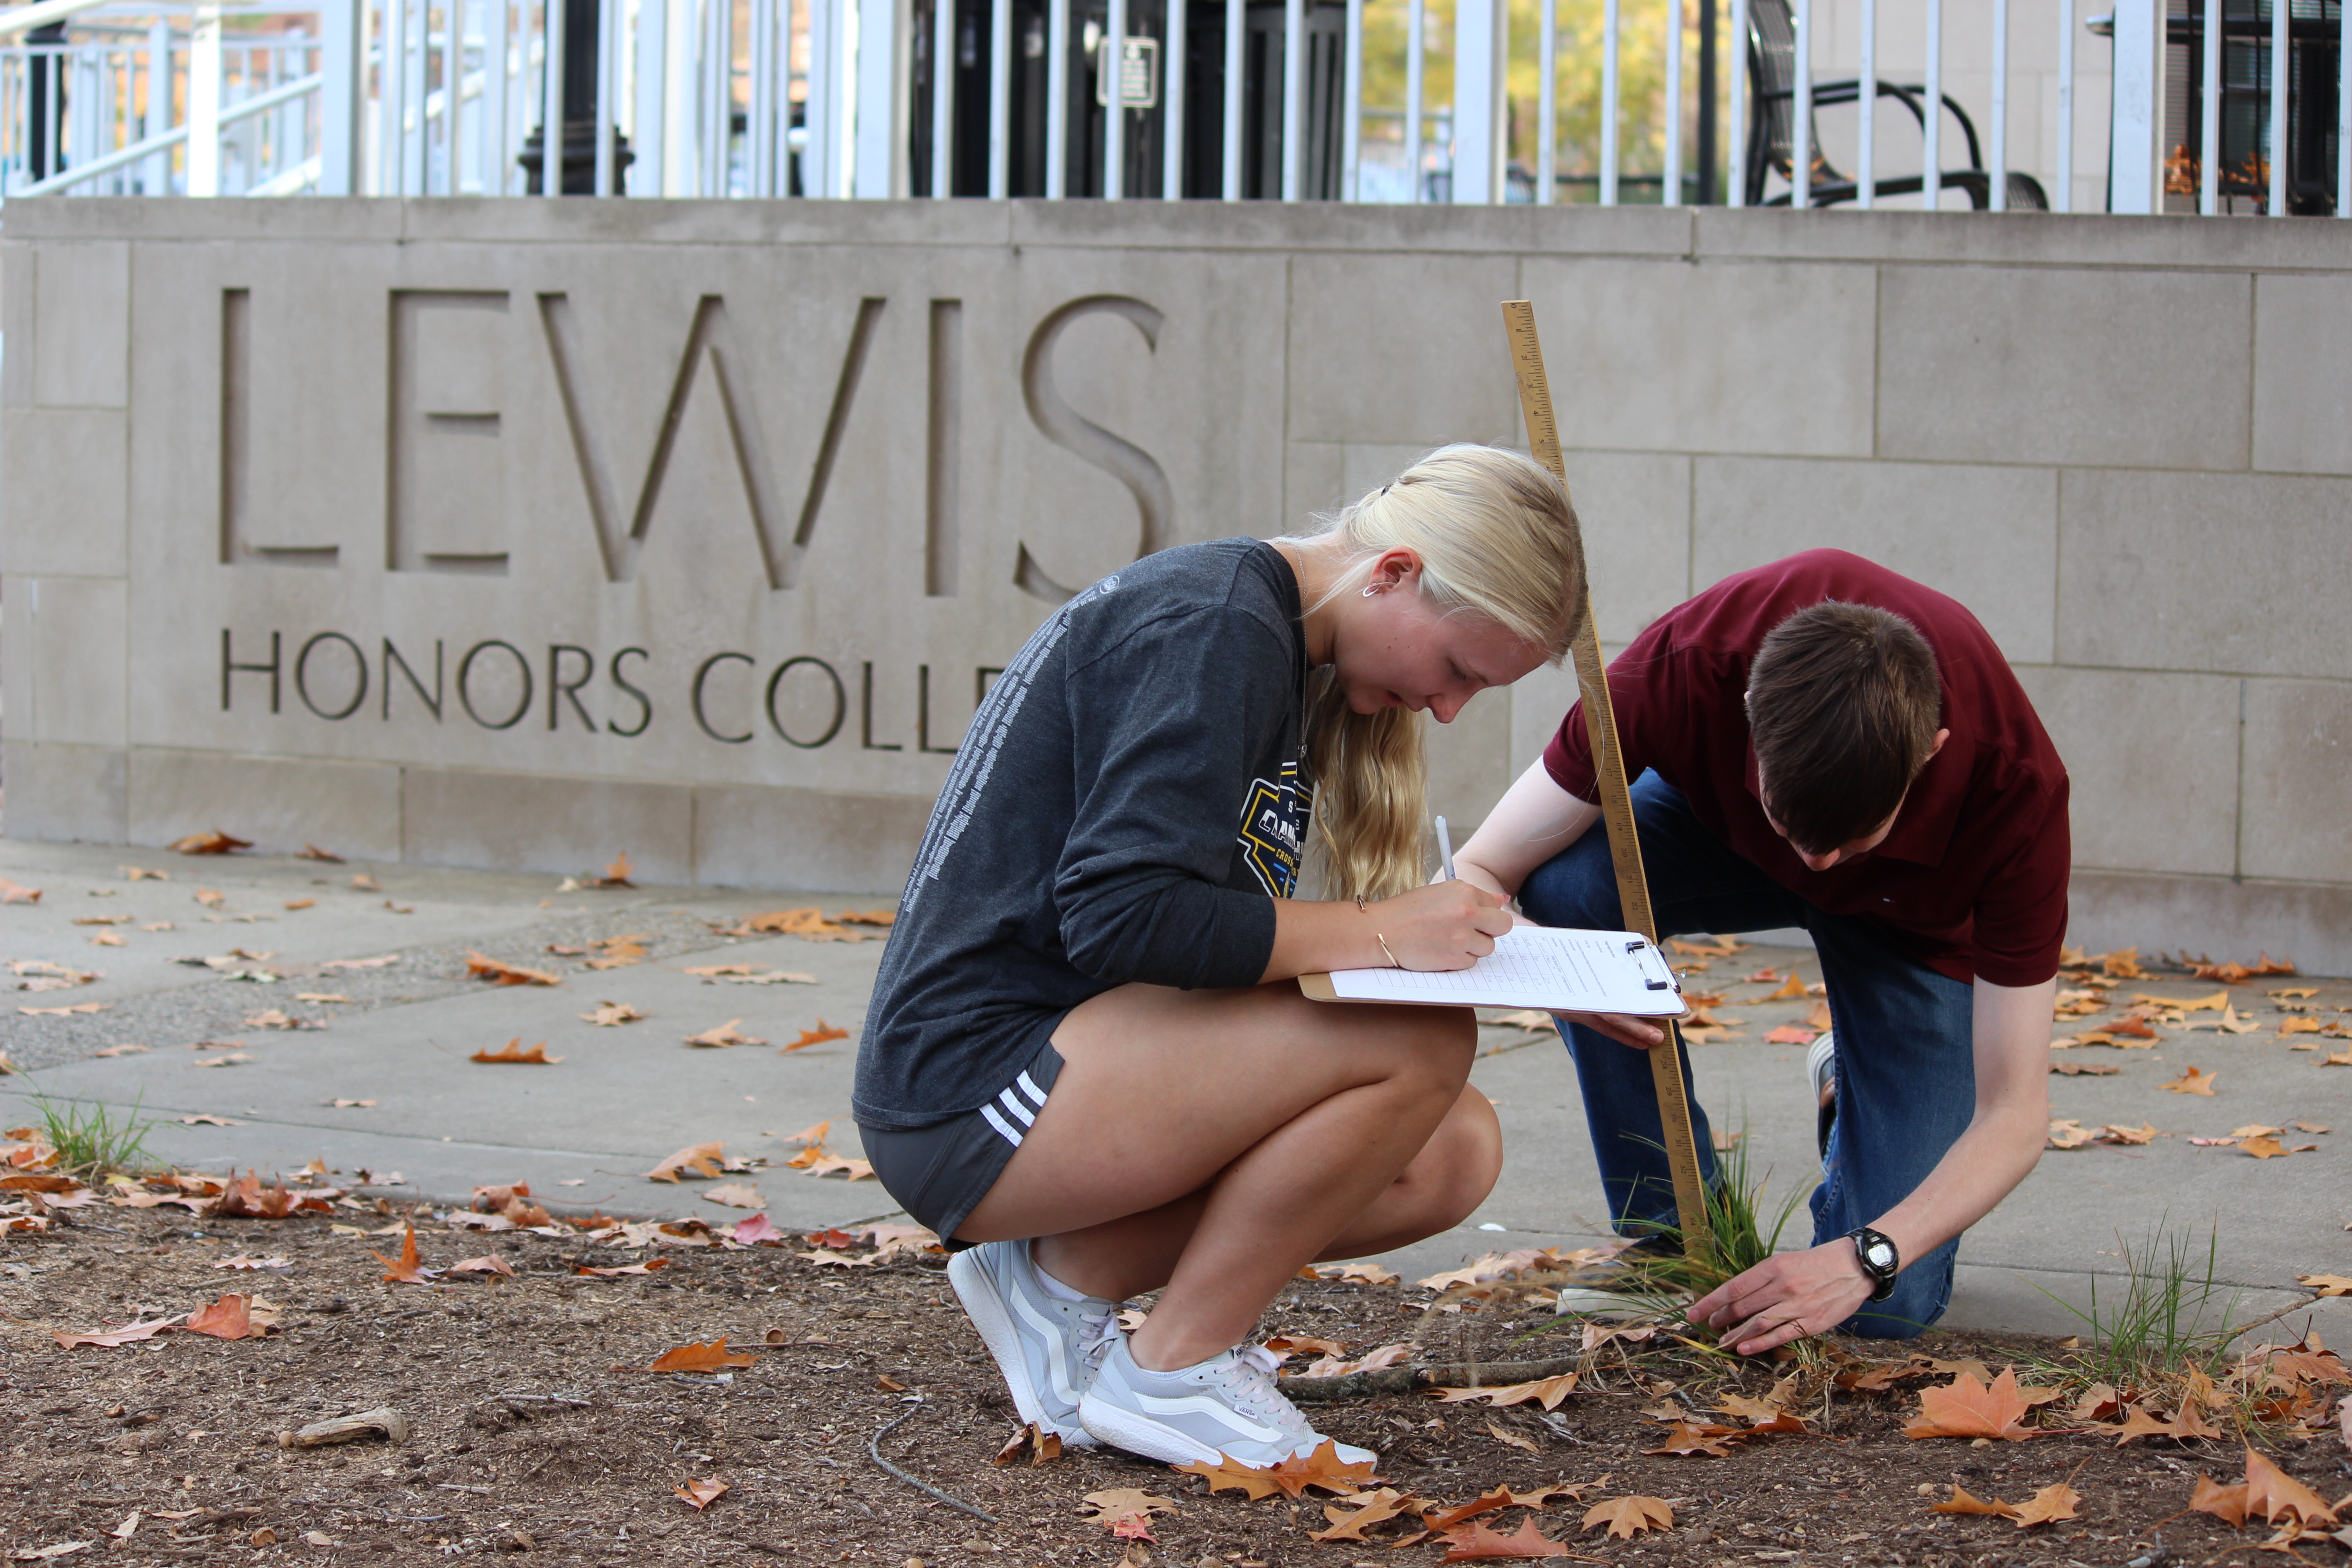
(1046, 1347)
(1226, 1406)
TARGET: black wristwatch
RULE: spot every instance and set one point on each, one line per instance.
(1878, 1257)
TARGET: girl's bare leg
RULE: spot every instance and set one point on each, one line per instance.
(1218, 1141)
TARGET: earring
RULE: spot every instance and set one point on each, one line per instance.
(1370, 589)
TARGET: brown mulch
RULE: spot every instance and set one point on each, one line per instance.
(535, 1431)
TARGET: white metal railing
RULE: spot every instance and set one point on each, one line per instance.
(1801, 102)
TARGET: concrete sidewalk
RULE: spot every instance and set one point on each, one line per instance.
(623, 1098)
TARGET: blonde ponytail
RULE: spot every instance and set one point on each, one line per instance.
(1497, 537)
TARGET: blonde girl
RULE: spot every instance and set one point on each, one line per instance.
(1085, 1064)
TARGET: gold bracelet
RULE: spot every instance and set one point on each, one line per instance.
(1384, 948)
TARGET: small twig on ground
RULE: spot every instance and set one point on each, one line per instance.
(874, 1449)
(1418, 1374)
(2234, 1335)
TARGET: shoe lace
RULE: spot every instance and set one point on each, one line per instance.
(1100, 1332)
(1248, 1384)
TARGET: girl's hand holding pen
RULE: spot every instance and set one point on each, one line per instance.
(1440, 926)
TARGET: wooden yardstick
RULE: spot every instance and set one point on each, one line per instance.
(1616, 801)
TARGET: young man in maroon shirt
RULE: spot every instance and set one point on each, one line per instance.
(1821, 742)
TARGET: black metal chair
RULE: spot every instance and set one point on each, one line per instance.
(1772, 127)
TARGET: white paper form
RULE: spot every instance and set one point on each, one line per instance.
(1534, 966)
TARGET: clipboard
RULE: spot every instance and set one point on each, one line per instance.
(1551, 969)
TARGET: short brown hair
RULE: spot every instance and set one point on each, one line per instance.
(1842, 701)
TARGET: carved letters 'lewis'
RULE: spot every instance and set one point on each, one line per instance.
(424, 487)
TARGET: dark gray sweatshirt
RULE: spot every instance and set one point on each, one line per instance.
(1125, 805)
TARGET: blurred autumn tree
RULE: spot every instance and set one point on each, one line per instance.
(1641, 91)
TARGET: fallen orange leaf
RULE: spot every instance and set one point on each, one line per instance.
(410, 1269)
(2227, 1504)
(1967, 1407)
(2271, 1492)
(1629, 1516)
(1550, 1390)
(711, 1357)
(2191, 1081)
(506, 973)
(213, 843)
(818, 1035)
(2047, 1506)
(513, 1052)
(1963, 1501)
(488, 1263)
(230, 1318)
(1475, 1542)
(110, 1339)
(1351, 1518)
(702, 1157)
(699, 1495)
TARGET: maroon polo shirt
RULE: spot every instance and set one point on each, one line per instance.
(1973, 877)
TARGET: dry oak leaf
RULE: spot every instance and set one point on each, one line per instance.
(2191, 1081)
(1127, 1512)
(1964, 1501)
(110, 1337)
(1967, 1407)
(1550, 1391)
(2327, 1285)
(1350, 1518)
(736, 1195)
(868, 917)
(410, 1269)
(1041, 1447)
(1792, 990)
(647, 1267)
(488, 1263)
(1475, 1542)
(1291, 1477)
(702, 1157)
(1629, 1516)
(2047, 1506)
(699, 1495)
(611, 1013)
(2271, 1492)
(711, 1357)
(18, 893)
(1287, 1345)
(233, 1316)
(725, 1034)
(816, 1036)
(1510, 1439)
(849, 1170)
(2227, 1504)
(1692, 1438)
(2069, 1134)
(506, 973)
(513, 1052)
(213, 843)
(1789, 1035)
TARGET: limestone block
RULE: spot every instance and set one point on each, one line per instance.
(1987, 536)
(1987, 364)
(1313, 481)
(2213, 572)
(517, 822)
(749, 836)
(1538, 702)
(2303, 342)
(65, 505)
(279, 804)
(1635, 509)
(2299, 780)
(82, 327)
(75, 641)
(1400, 348)
(22, 264)
(1721, 357)
(1470, 762)
(2153, 762)
(2310, 923)
(58, 792)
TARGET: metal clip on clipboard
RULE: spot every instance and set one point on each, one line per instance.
(1654, 965)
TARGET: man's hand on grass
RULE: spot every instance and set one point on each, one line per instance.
(1785, 1297)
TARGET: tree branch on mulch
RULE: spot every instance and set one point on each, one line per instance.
(874, 1449)
(1439, 1375)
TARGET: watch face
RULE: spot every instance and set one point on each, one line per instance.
(1879, 1254)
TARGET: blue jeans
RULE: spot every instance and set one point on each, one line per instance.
(1905, 1077)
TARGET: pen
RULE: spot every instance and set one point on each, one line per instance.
(1445, 848)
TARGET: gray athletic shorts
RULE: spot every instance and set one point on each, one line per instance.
(939, 1173)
